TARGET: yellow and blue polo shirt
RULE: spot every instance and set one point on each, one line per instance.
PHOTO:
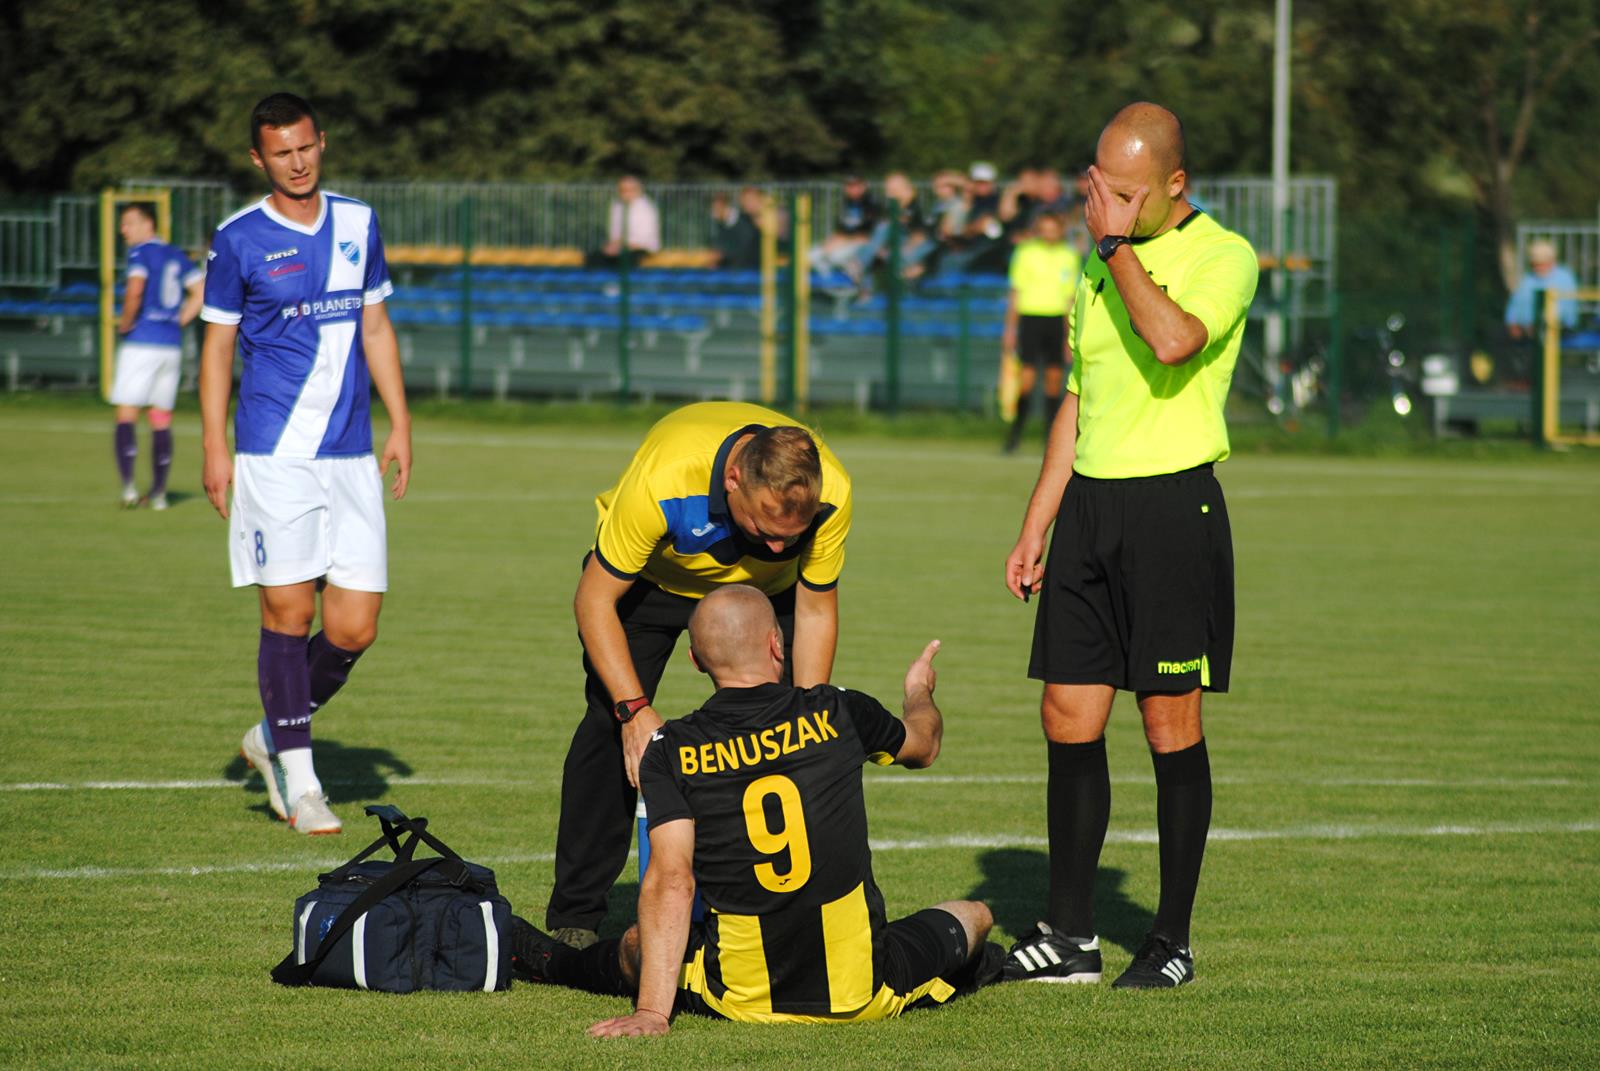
(1137, 416)
(667, 518)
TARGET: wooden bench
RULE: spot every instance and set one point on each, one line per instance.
(487, 256)
(565, 256)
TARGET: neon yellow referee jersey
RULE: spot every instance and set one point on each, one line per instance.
(1137, 416)
(667, 518)
(1043, 274)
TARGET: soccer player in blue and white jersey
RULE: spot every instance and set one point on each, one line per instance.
(298, 281)
(162, 296)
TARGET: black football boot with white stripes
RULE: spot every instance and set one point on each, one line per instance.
(1047, 956)
(1160, 963)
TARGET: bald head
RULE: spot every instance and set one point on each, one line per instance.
(1146, 133)
(1142, 148)
(731, 634)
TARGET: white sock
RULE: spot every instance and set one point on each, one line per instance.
(299, 776)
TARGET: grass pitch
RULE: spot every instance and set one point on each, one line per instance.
(1406, 843)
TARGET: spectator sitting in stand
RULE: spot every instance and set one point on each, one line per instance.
(1523, 317)
(735, 232)
(949, 216)
(915, 242)
(947, 219)
(1050, 199)
(982, 229)
(1017, 201)
(858, 217)
(642, 233)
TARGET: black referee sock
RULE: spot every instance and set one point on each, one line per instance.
(1052, 405)
(1183, 817)
(1079, 808)
(1014, 436)
(596, 969)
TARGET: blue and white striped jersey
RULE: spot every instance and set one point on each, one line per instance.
(167, 272)
(296, 293)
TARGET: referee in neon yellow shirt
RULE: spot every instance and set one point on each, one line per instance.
(1137, 591)
(1044, 272)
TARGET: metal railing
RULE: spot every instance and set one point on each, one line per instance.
(1577, 246)
(575, 215)
(26, 249)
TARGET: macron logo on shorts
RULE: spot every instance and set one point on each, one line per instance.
(1190, 666)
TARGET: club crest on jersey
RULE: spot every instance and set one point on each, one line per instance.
(351, 251)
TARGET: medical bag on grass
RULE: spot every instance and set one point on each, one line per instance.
(432, 923)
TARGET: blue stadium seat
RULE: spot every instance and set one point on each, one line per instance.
(951, 284)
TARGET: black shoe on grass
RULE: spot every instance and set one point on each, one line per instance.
(530, 950)
(1160, 963)
(1047, 956)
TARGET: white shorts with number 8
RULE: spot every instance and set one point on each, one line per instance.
(297, 519)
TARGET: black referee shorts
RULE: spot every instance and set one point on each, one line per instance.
(1042, 340)
(1138, 586)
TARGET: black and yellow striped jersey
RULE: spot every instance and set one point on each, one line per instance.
(771, 777)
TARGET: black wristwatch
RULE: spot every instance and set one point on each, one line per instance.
(1110, 244)
(626, 709)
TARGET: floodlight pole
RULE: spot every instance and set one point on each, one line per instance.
(1280, 191)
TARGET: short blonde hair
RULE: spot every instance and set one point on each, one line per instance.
(1541, 251)
(785, 461)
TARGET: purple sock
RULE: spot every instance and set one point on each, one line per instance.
(160, 459)
(127, 450)
(329, 667)
(285, 690)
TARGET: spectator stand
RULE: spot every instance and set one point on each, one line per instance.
(492, 299)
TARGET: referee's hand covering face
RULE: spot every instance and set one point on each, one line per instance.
(1138, 174)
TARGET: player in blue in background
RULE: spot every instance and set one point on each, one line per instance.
(298, 280)
(162, 296)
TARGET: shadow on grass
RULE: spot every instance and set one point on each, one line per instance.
(1016, 884)
(347, 773)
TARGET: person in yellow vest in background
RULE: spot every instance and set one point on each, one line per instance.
(1044, 276)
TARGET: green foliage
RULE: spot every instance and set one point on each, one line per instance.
(1389, 94)
(439, 88)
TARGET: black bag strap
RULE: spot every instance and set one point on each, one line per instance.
(291, 973)
(395, 825)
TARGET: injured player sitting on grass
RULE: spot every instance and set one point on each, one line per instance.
(756, 800)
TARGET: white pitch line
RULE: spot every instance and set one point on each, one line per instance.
(899, 780)
(960, 841)
(205, 869)
(224, 783)
(913, 779)
(1321, 832)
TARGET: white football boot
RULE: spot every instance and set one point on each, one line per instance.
(254, 750)
(312, 817)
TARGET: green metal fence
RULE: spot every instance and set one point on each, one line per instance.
(900, 364)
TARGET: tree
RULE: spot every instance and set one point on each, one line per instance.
(1457, 102)
(470, 89)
